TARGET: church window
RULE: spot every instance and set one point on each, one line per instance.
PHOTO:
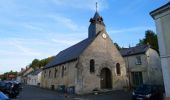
(64, 67)
(138, 60)
(55, 74)
(44, 73)
(62, 71)
(92, 65)
(49, 74)
(118, 71)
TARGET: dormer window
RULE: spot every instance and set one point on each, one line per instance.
(138, 60)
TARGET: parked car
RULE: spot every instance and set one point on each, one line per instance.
(3, 96)
(10, 88)
(18, 84)
(147, 92)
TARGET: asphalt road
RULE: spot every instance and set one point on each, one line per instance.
(36, 93)
(115, 95)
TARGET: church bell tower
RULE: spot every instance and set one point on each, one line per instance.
(96, 25)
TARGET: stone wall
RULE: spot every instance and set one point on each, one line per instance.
(150, 67)
(67, 79)
(154, 67)
(105, 55)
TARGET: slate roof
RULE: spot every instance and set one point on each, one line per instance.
(36, 72)
(134, 50)
(70, 54)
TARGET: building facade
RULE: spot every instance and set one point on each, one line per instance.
(34, 78)
(143, 65)
(92, 64)
(162, 20)
(24, 75)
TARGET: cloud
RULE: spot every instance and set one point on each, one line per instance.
(32, 27)
(65, 42)
(133, 7)
(128, 36)
(82, 4)
(13, 47)
(25, 50)
(63, 21)
(132, 29)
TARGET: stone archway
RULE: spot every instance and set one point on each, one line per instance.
(106, 78)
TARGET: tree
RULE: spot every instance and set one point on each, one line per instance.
(5, 75)
(117, 46)
(40, 63)
(150, 38)
(35, 63)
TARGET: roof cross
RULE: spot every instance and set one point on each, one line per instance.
(96, 6)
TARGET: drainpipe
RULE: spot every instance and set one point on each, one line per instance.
(148, 69)
(128, 72)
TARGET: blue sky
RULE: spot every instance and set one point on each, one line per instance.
(41, 28)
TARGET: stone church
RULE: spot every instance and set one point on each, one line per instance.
(92, 64)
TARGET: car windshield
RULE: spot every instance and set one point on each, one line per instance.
(8, 85)
(144, 88)
(2, 84)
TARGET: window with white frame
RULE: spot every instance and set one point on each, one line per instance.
(138, 60)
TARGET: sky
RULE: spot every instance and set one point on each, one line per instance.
(39, 29)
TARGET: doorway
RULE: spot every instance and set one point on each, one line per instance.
(137, 78)
(106, 79)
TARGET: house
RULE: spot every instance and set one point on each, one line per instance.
(92, 64)
(19, 75)
(11, 76)
(24, 77)
(143, 65)
(34, 78)
(162, 20)
(1, 76)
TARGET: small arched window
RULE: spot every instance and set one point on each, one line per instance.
(92, 65)
(55, 74)
(44, 73)
(118, 71)
(62, 71)
(49, 74)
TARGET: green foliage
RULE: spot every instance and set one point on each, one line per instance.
(117, 46)
(5, 75)
(36, 63)
(150, 38)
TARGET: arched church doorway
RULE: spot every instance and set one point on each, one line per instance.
(106, 79)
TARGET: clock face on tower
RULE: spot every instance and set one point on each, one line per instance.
(104, 35)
